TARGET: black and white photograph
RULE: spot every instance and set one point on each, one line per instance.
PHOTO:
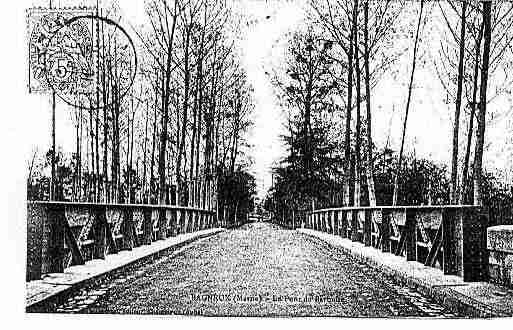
(258, 159)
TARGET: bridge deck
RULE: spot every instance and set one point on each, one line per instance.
(256, 270)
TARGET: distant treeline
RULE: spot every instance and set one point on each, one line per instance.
(423, 182)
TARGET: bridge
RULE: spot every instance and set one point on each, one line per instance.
(351, 262)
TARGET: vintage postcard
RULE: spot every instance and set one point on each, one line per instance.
(350, 159)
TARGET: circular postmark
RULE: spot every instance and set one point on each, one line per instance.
(90, 62)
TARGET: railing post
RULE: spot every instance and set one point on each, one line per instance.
(475, 252)
(169, 225)
(147, 226)
(343, 224)
(128, 229)
(452, 242)
(172, 223)
(200, 220)
(386, 245)
(329, 227)
(367, 228)
(464, 243)
(335, 223)
(53, 240)
(410, 231)
(181, 221)
(185, 225)
(184, 221)
(37, 235)
(35, 222)
(162, 221)
(196, 226)
(190, 221)
(354, 225)
(100, 237)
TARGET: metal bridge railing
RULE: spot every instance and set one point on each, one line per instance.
(62, 234)
(452, 236)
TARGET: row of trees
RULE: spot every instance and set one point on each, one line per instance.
(474, 71)
(174, 135)
(332, 67)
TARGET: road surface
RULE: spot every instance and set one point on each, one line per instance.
(256, 270)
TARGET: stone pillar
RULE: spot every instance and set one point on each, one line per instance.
(500, 247)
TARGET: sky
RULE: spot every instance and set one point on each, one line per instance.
(429, 125)
(268, 23)
(272, 23)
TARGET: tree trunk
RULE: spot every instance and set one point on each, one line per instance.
(456, 128)
(481, 122)
(358, 151)
(106, 198)
(131, 198)
(163, 144)
(347, 140)
(77, 159)
(145, 153)
(128, 180)
(149, 199)
(81, 123)
(166, 94)
(370, 160)
(410, 87)
(185, 104)
(92, 193)
(464, 189)
(194, 130)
